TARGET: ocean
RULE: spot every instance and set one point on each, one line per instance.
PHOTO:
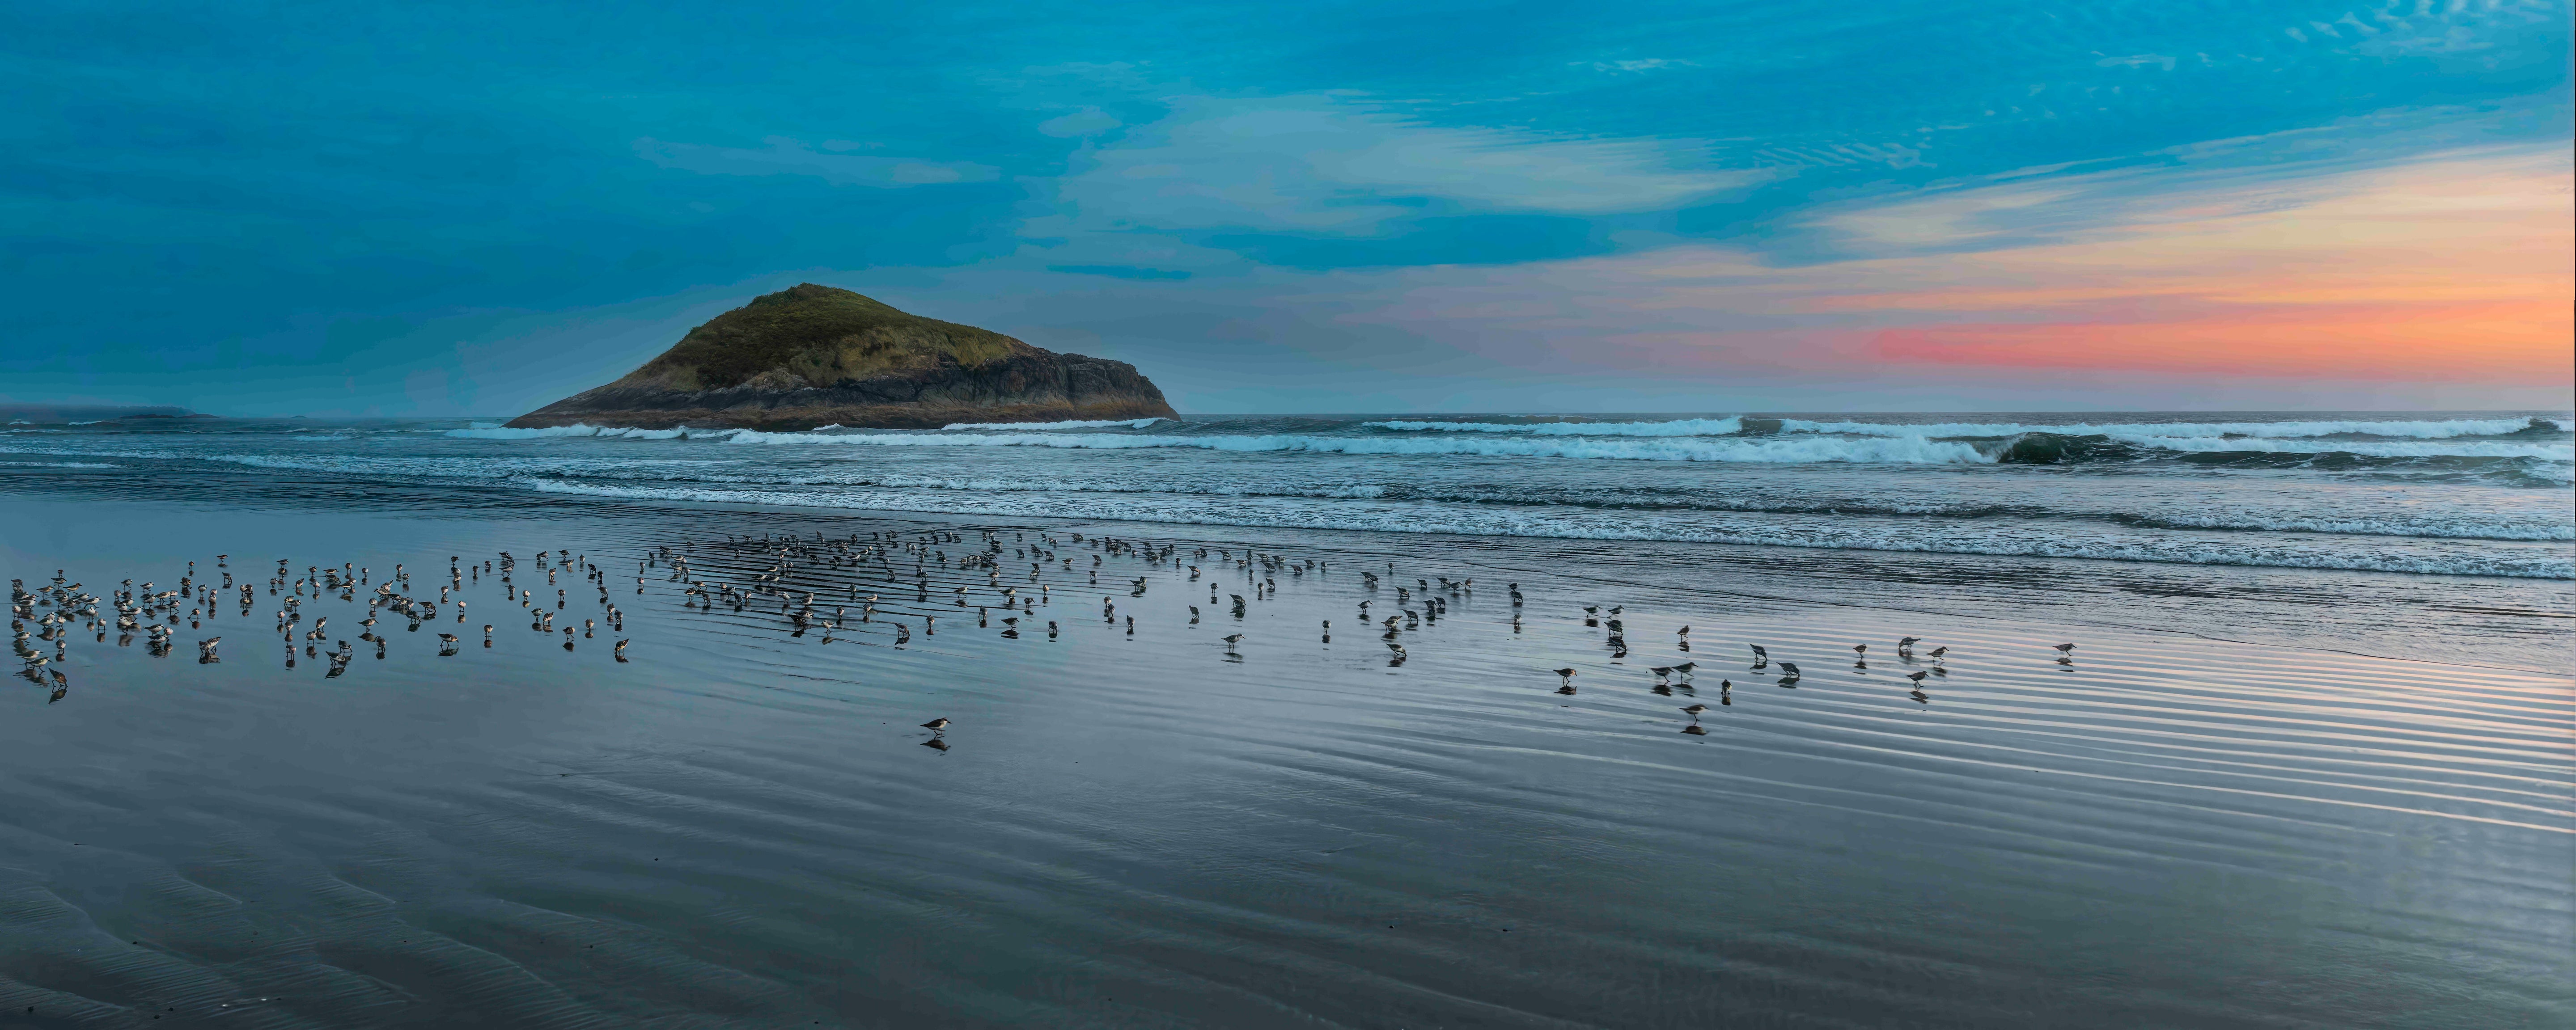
(1256, 722)
(2437, 493)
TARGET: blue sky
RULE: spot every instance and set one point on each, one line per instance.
(474, 209)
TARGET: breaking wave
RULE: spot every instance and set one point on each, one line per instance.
(1899, 450)
(2444, 429)
(1378, 516)
(1678, 427)
(491, 432)
(1131, 423)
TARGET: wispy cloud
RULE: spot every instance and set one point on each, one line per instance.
(789, 157)
(1334, 164)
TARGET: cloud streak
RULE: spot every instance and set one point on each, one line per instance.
(789, 157)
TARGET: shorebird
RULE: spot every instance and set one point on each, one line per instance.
(1685, 668)
(938, 725)
(1907, 643)
(1917, 677)
(1759, 654)
(1232, 639)
(1565, 674)
(1790, 668)
(2065, 649)
(1662, 673)
(1684, 631)
(1939, 651)
(1861, 649)
(1694, 710)
(447, 639)
(1398, 650)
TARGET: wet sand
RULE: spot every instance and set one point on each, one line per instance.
(740, 826)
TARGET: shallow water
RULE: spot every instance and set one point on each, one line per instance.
(2250, 799)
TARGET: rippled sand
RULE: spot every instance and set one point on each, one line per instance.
(742, 827)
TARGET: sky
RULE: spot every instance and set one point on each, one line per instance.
(475, 209)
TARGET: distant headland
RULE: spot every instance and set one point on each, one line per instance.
(29, 412)
(816, 355)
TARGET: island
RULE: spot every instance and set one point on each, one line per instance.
(813, 356)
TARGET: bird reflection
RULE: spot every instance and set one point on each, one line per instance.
(1696, 730)
(936, 743)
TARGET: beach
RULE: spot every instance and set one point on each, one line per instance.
(2249, 796)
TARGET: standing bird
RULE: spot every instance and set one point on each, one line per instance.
(1694, 710)
(1789, 668)
(1917, 677)
(1567, 675)
(1907, 643)
(1232, 639)
(1759, 654)
(1939, 651)
(2065, 649)
(1861, 650)
(938, 725)
(1685, 668)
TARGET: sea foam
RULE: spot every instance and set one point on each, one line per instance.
(2250, 550)
(1678, 427)
(2145, 431)
(1768, 450)
(490, 432)
(1131, 423)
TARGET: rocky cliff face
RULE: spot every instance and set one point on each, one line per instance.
(815, 355)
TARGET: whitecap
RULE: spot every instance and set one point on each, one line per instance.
(1727, 426)
(1131, 423)
(1562, 524)
(2442, 429)
(1903, 450)
(482, 431)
